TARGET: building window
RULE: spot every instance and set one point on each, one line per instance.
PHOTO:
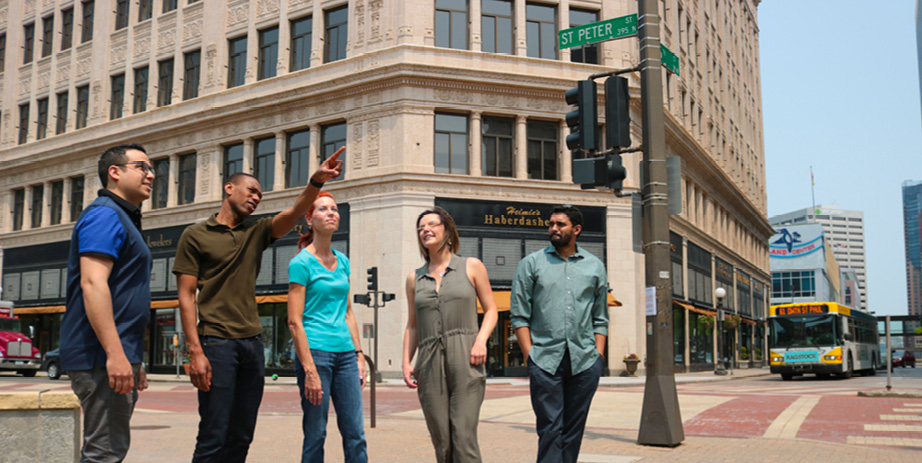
(67, 28)
(496, 23)
(2, 52)
(786, 285)
(118, 96)
(38, 203)
(19, 200)
(169, 5)
(61, 114)
(47, 35)
(145, 9)
(23, 123)
(41, 128)
(237, 62)
(76, 198)
(498, 136)
(83, 106)
(190, 74)
(332, 138)
(86, 29)
(140, 90)
(337, 33)
(57, 201)
(264, 162)
(699, 274)
(301, 34)
(451, 24)
(165, 83)
(186, 193)
(268, 52)
(28, 36)
(297, 159)
(121, 14)
(542, 150)
(451, 143)
(161, 187)
(587, 53)
(233, 160)
(541, 30)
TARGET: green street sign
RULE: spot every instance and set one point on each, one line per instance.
(670, 60)
(598, 32)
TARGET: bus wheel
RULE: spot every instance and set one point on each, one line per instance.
(873, 370)
(851, 369)
(787, 376)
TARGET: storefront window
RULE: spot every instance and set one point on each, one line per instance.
(276, 337)
(700, 344)
(678, 334)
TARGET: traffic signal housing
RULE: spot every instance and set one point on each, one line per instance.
(617, 113)
(373, 279)
(616, 173)
(584, 120)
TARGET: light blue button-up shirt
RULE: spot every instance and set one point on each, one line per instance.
(564, 303)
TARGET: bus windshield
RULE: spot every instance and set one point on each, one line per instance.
(812, 331)
(9, 324)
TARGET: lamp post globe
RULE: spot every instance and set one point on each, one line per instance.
(719, 368)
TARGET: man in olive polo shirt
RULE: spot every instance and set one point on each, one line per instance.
(220, 258)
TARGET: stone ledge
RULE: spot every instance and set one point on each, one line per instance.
(37, 400)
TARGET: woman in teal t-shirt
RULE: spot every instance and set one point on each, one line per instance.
(326, 338)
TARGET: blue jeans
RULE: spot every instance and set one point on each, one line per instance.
(339, 378)
(561, 403)
(228, 411)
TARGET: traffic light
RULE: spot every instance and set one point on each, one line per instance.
(363, 299)
(388, 297)
(617, 113)
(616, 172)
(373, 279)
(584, 121)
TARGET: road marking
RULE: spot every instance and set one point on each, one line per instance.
(892, 427)
(589, 458)
(877, 440)
(907, 410)
(150, 410)
(901, 417)
(913, 404)
(788, 422)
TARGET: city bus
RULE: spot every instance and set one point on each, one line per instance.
(823, 338)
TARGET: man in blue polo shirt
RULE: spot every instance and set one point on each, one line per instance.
(108, 304)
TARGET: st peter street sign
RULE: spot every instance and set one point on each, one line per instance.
(611, 29)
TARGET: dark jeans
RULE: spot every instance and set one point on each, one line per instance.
(228, 411)
(561, 403)
(339, 378)
(106, 415)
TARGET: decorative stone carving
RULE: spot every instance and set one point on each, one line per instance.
(373, 142)
(42, 81)
(117, 55)
(141, 46)
(63, 72)
(356, 153)
(4, 13)
(211, 54)
(29, 9)
(237, 14)
(266, 8)
(292, 4)
(192, 30)
(97, 99)
(25, 83)
(375, 7)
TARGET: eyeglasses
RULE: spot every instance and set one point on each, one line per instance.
(431, 226)
(145, 167)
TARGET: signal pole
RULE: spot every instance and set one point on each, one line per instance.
(661, 420)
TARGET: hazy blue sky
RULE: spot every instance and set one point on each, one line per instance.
(840, 92)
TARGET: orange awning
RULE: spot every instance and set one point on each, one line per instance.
(694, 309)
(38, 310)
(503, 300)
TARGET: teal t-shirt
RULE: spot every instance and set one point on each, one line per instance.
(325, 300)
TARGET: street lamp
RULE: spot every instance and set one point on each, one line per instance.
(719, 369)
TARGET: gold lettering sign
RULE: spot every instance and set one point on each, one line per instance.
(506, 221)
(159, 242)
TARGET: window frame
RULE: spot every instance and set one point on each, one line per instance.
(67, 28)
(165, 82)
(61, 113)
(57, 202)
(268, 54)
(83, 106)
(496, 139)
(295, 157)
(41, 125)
(141, 84)
(451, 144)
(541, 24)
(116, 96)
(300, 44)
(236, 62)
(227, 164)
(542, 158)
(341, 31)
(191, 74)
(452, 13)
(497, 28)
(186, 182)
(86, 24)
(264, 160)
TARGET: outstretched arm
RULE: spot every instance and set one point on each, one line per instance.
(284, 221)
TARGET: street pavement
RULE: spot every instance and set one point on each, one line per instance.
(748, 417)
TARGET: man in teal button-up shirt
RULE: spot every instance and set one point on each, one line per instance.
(560, 315)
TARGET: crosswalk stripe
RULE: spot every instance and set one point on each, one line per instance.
(788, 422)
(907, 410)
(901, 417)
(892, 427)
(879, 440)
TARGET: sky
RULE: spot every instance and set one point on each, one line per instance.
(840, 92)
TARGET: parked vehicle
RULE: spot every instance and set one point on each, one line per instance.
(903, 358)
(52, 364)
(16, 351)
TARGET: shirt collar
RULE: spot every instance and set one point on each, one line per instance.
(550, 249)
(133, 211)
(452, 266)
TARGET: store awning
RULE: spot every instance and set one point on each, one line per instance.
(748, 321)
(503, 300)
(38, 310)
(694, 309)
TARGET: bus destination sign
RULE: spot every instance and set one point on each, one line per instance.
(803, 310)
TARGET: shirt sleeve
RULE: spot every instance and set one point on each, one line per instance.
(298, 272)
(187, 255)
(523, 284)
(100, 233)
(600, 304)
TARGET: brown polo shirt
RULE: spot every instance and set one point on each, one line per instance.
(226, 262)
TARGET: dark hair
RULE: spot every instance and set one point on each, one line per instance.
(235, 179)
(306, 239)
(451, 232)
(572, 212)
(115, 156)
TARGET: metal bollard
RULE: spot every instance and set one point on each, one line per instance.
(374, 380)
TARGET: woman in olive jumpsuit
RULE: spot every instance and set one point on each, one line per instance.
(442, 325)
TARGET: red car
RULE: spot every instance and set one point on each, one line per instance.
(903, 358)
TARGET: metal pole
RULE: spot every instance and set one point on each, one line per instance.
(719, 366)
(375, 296)
(889, 356)
(661, 420)
(374, 372)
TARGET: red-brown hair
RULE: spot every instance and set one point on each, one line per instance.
(307, 238)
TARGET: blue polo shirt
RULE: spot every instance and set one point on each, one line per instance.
(108, 228)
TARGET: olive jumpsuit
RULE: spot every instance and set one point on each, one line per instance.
(450, 388)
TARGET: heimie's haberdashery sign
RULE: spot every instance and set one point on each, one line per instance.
(511, 215)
